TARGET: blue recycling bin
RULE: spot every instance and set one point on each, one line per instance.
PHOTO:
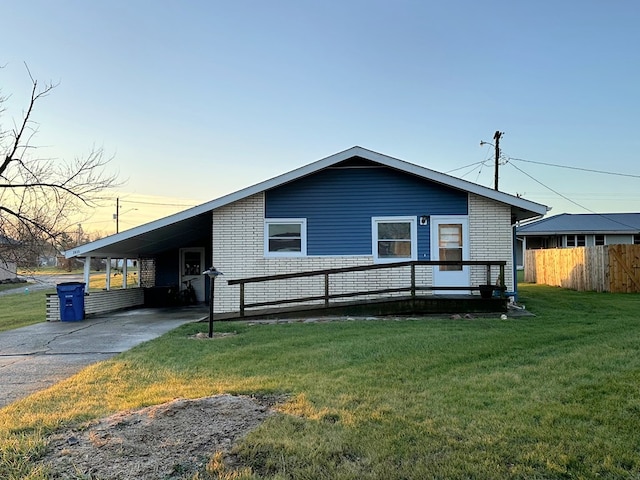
(71, 296)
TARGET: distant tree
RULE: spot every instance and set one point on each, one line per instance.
(40, 198)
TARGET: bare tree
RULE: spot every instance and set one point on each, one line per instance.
(40, 198)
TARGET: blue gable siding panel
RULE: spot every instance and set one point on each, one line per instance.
(338, 204)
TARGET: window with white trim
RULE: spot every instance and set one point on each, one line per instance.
(599, 239)
(285, 237)
(394, 239)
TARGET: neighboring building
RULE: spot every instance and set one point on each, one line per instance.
(354, 208)
(579, 230)
(8, 266)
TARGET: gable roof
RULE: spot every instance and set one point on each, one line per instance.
(154, 237)
(571, 223)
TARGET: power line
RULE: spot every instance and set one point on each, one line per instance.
(160, 204)
(465, 166)
(575, 168)
(549, 188)
(569, 200)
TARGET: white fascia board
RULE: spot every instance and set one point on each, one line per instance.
(454, 182)
(302, 172)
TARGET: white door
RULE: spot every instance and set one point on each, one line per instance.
(450, 241)
(191, 268)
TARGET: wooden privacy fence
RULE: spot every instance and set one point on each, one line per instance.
(606, 268)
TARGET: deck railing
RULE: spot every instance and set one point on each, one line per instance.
(412, 288)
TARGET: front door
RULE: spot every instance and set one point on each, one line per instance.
(450, 241)
(191, 268)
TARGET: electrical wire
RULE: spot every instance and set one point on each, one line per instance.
(465, 166)
(575, 168)
(570, 200)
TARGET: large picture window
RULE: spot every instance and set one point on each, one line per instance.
(285, 237)
(394, 239)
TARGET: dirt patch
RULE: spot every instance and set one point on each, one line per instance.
(168, 441)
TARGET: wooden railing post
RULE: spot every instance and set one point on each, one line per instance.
(326, 289)
(488, 274)
(502, 284)
(242, 299)
(413, 279)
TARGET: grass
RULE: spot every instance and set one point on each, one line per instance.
(98, 280)
(551, 396)
(21, 309)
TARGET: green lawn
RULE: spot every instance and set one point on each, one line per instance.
(551, 396)
(20, 308)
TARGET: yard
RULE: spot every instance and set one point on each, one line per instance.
(551, 396)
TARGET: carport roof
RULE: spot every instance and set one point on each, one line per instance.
(175, 230)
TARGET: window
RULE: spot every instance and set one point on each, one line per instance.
(576, 240)
(599, 239)
(394, 239)
(285, 237)
(636, 239)
(450, 245)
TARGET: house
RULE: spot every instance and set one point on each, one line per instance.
(353, 208)
(578, 230)
(8, 265)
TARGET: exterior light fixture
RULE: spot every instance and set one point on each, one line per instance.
(212, 273)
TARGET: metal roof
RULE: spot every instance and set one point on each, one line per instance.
(572, 223)
(154, 237)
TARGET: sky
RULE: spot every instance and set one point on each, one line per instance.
(197, 99)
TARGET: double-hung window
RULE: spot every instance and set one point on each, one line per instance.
(394, 239)
(285, 237)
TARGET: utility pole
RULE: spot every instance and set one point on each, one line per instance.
(116, 216)
(496, 138)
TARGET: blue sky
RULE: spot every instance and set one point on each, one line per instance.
(196, 99)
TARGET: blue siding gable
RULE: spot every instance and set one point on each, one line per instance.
(339, 203)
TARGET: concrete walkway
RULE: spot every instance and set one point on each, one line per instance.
(35, 357)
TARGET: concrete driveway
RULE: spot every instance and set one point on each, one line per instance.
(35, 357)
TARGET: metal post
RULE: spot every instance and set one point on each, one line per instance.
(212, 273)
(212, 284)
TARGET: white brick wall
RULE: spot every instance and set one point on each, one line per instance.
(490, 238)
(238, 251)
(99, 302)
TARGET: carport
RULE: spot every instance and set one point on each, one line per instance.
(167, 254)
